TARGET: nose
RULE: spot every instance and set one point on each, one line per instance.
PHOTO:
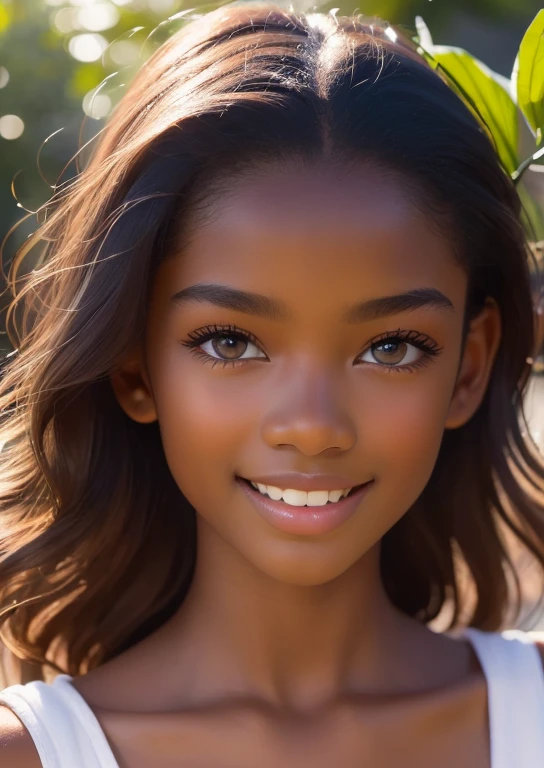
(307, 415)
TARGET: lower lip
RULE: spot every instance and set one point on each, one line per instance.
(305, 521)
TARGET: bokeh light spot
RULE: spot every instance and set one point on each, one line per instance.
(11, 127)
(123, 53)
(88, 47)
(66, 20)
(96, 105)
(98, 17)
(4, 77)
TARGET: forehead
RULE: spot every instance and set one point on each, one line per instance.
(326, 228)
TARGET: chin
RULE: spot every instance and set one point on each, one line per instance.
(305, 564)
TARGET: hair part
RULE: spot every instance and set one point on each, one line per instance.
(98, 542)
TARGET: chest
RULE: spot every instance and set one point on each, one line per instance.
(382, 736)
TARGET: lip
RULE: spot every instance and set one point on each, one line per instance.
(305, 521)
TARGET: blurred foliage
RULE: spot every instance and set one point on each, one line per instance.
(505, 106)
(64, 63)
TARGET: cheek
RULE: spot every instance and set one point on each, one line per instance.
(204, 421)
(403, 430)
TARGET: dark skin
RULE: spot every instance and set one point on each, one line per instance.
(287, 650)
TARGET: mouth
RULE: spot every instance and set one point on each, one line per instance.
(300, 498)
(303, 519)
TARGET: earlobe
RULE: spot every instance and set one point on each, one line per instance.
(132, 389)
(479, 355)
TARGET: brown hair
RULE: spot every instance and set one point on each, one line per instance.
(97, 541)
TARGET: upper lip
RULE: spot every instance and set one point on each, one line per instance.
(301, 482)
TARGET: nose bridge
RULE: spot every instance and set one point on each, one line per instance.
(310, 411)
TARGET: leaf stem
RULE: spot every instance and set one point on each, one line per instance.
(516, 176)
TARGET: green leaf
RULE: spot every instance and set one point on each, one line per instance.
(487, 95)
(528, 76)
(532, 216)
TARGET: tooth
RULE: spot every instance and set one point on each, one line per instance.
(317, 498)
(274, 493)
(296, 498)
(301, 498)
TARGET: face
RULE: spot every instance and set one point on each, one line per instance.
(332, 375)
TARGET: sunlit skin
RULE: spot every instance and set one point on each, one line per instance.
(287, 650)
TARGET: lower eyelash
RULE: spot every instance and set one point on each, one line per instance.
(213, 361)
(404, 368)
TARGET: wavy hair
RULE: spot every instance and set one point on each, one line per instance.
(97, 544)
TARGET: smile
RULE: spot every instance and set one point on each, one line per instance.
(304, 513)
(297, 498)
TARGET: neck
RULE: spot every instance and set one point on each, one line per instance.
(290, 645)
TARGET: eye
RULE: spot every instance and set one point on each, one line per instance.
(401, 351)
(226, 345)
(393, 353)
(230, 346)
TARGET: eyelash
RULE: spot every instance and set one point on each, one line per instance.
(202, 335)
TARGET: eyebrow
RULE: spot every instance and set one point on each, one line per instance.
(273, 309)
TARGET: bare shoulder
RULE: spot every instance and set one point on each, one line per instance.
(17, 748)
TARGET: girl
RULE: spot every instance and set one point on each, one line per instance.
(265, 480)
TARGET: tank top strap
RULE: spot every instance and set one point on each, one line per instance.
(515, 683)
(62, 725)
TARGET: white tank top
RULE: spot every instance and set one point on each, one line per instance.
(67, 734)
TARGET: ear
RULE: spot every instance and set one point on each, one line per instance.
(481, 347)
(132, 388)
